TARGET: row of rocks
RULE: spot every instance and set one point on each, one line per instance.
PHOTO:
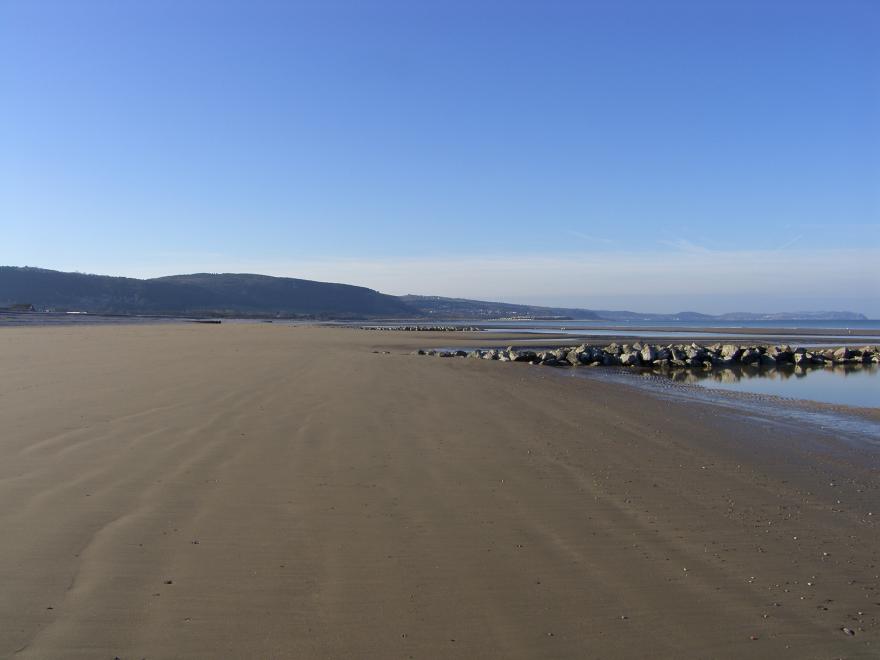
(673, 356)
(423, 328)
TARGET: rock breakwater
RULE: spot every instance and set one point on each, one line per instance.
(672, 356)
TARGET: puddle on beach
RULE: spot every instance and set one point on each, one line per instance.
(851, 385)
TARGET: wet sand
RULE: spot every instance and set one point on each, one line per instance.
(259, 490)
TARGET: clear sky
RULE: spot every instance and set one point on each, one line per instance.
(652, 155)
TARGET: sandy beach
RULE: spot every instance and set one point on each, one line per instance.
(268, 491)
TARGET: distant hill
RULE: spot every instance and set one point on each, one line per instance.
(793, 316)
(452, 308)
(229, 294)
(462, 308)
(198, 294)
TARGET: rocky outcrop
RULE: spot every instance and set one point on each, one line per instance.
(674, 356)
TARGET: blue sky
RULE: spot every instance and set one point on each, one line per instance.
(651, 155)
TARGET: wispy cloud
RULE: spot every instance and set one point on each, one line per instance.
(788, 244)
(590, 238)
(684, 245)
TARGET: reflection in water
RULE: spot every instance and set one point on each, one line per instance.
(848, 384)
(736, 373)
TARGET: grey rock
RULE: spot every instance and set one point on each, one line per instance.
(731, 350)
(630, 359)
(749, 356)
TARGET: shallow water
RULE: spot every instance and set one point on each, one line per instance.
(851, 385)
(863, 431)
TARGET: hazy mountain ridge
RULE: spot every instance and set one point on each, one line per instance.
(243, 294)
(611, 315)
(196, 294)
(440, 307)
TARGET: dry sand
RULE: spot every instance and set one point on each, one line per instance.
(263, 491)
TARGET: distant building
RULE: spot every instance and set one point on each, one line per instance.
(19, 307)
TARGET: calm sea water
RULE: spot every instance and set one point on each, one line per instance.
(868, 324)
(673, 329)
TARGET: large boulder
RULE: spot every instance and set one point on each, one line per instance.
(782, 354)
(560, 353)
(803, 358)
(648, 353)
(730, 350)
(521, 356)
(749, 356)
(630, 359)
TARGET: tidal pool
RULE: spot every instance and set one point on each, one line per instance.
(851, 385)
